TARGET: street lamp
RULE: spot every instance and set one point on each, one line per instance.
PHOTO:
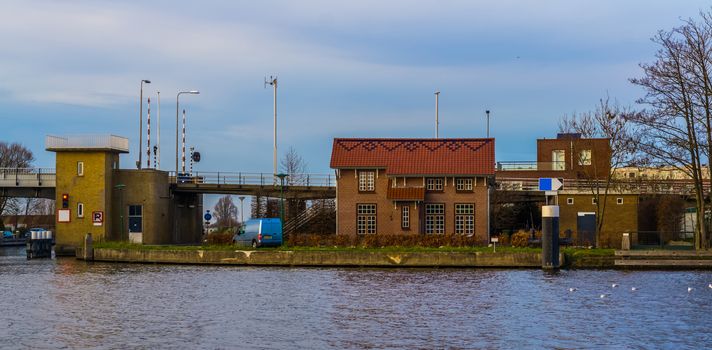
(281, 177)
(192, 92)
(437, 111)
(140, 123)
(120, 188)
(487, 112)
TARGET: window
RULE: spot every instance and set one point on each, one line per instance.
(594, 201)
(434, 184)
(365, 219)
(585, 157)
(569, 201)
(405, 216)
(463, 184)
(619, 200)
(135, 218)
(465, 219)
(435, 218)
(366, 181)
(80, 210)
(80, 168)
(558, 159)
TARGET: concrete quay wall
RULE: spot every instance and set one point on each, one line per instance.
(318, 258)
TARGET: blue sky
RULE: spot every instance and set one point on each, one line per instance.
(346, 69)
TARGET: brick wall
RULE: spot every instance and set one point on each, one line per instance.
(617, 219)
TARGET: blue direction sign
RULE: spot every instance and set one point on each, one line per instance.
(207, 216)
(550, 184)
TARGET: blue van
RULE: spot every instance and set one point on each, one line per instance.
(260, 233)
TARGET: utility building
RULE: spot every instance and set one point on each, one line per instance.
(423, 186)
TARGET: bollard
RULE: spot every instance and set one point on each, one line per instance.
(550, 237)
(625, 244)
(88, 247)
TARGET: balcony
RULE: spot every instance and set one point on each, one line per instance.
(87, 142)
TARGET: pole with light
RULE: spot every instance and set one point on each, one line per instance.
(281, 177)
(273, 81)
(192, 92)
(437, 111)
(487, 112)
(242, 210)
(140, 123)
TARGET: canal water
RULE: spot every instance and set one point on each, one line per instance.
(71, 304)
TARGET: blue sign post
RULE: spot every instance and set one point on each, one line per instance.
(550, 223)
(207, 216)
(550, 184)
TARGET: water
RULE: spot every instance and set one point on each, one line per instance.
(71, 304)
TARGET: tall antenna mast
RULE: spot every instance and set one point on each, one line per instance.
(273, 81)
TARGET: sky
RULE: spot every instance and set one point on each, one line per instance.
(345, 69)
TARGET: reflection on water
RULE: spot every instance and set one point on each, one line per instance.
(72, 304)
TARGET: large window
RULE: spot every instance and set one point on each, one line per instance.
(405, 216)
(463, 184)
(435, 218)
(366, 181)
(585, 157)
(365, 218)
(558, 159)
(135, 218)
(465, 218)
(434, 184)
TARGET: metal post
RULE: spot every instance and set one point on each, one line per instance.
(148, 135)
(549, 236)
(437, 111)
(194, 92)
(487, 112)
(140, 123)
(182, 161)
(242, 209)
(192, 149)
(157, 154)
(274, 156)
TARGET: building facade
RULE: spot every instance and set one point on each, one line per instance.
(413, 186)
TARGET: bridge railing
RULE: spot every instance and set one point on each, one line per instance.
(530, 166)
(262, 179)
(27, 177)
(632, 186)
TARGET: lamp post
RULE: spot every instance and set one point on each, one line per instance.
(487, 112)
(242, 210)
(281, 177)
(120, 188)
(140, 123)
(273, 82)
(192, 92)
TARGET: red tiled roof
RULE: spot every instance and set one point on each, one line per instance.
(406, 193)
(416, 156)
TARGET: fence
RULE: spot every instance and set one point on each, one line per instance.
(261, 179)
(87, 141)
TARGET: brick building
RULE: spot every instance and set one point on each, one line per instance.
(423, 186)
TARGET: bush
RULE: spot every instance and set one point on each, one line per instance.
(219, 238)
(377, 241)
(520, 239)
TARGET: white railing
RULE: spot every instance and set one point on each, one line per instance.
(27, 177)
(87, 141)
(262, 179)
(619, 186)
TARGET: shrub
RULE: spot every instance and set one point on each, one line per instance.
(219, 238)
(520, 239)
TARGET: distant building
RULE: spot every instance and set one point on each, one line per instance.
(423, 186)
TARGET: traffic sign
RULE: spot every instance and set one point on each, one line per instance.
(550, 184)
(207, 216)
(97, 217)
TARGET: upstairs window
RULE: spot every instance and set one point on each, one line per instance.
(585, 157)
(80, 210)
(434, 184)
(80, 168)
(366, 181)
(558, 159)
(463, 184)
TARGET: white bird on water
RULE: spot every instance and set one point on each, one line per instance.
(614, 285)
(603, 296)
(634, 288)
(709, 285)
(572, 289)
(689, 289)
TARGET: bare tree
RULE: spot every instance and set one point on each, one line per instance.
(13, 155)
(676, 129)
(225, 212)
(295, 166)
(609, 121)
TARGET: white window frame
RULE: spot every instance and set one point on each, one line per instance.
(80, 168)
(593, 200)
(465, 218)
(570, 201)
(366, 181)
(405, 216)
(585, 157)
(366, 218)
(619, 200)
(80, 210)
(463, 184)
(558, 159)
(435, 218)
(434, 184)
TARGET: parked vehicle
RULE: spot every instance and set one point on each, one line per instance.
(260, 233)
(7, 234)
